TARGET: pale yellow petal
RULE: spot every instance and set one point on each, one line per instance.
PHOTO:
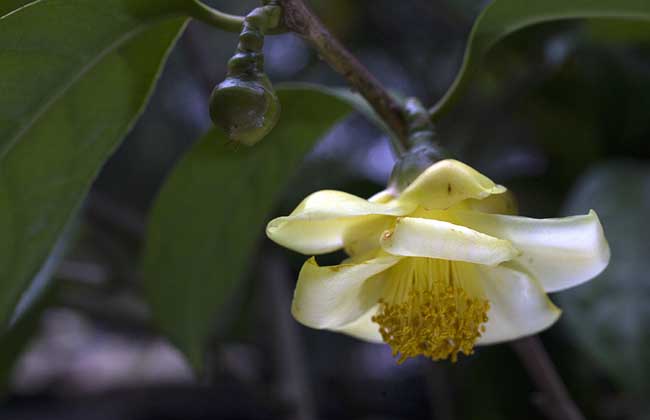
(382, 197)
(496, 204)
(332, 296)
(560, 253)
(417, 237)
(447, 183)
(364, 236)
(319, 224)
(518, 305)
(363, 328)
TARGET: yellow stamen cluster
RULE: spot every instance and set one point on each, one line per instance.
(429, 313)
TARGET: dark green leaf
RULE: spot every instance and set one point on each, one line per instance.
(42, 279)
(212, 210)
(609, 317)
(502, 17)
(74, 75)
(610, 31)
(8, 6)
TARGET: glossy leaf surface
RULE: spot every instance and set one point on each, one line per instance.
(212, 211)
(74, 76)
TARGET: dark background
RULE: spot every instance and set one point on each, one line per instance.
(559, 114)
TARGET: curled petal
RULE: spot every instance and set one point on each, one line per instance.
(320, 223)
(415, 237)
(363, 328)
(332, 296)
(560, 253)
(446, 183)
(496, 204)
(518, 305)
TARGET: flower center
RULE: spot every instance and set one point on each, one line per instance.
(428, 312)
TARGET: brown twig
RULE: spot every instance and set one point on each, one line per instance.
(300, 19)
(293, 383)
(555, 401)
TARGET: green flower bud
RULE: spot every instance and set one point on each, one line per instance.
(245, 109)
(245, 64)
(245, 105)
(251, 40)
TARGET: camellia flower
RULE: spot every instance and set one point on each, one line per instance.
(439, 268)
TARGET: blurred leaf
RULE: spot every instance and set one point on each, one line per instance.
(74, 75)
(618, 31)
(610, 317)
(8, 6)
(502, 17)
(212, 210)
(43, 278)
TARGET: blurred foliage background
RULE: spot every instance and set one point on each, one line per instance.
(559, 114)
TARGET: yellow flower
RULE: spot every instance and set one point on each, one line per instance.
(439, 268)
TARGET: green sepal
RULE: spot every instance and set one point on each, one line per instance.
(423, 150)
(415, 161)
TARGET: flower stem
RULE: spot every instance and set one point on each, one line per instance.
(300, 19)
(557, 403)
(214, 17)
